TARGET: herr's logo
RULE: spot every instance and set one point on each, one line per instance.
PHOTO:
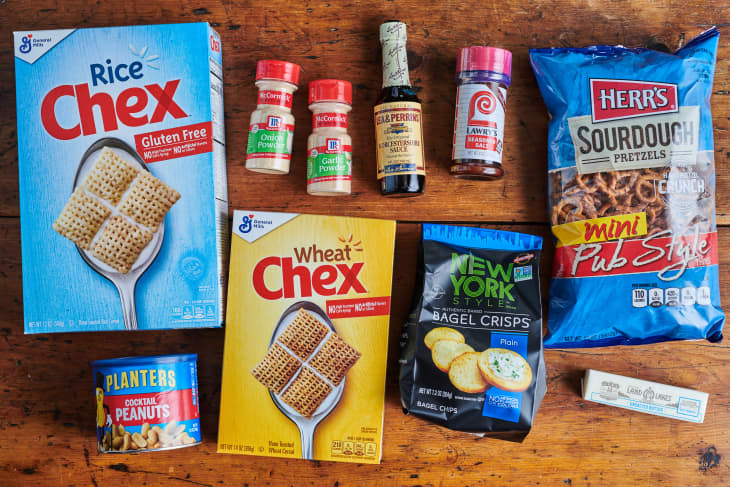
(25, 45)
(613, 99)
(481, 105)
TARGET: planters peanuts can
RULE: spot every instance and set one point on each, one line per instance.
(147, 403)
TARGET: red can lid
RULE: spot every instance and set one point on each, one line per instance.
(278, 70)
(482, 58)
(335, 90)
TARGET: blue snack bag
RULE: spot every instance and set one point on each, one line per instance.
(471, 350)
(631, 182)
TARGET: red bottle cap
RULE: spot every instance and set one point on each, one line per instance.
(334, 90)
(481, 58)
(278, 70)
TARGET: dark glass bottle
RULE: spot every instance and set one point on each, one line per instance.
(398, 122)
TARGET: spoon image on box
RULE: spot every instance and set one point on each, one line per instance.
(305, 368)
(126, 236)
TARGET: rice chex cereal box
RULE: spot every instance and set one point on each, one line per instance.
(123, 194)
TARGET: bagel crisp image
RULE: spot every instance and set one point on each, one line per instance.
(464, 373)
(444, 352)
(442, 333)
(505, 369)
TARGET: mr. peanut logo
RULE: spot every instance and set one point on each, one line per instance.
(247, 224)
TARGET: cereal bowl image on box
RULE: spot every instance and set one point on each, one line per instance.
(147, 403)
(123, 193)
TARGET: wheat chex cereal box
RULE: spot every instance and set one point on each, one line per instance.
(306, 336)
(123, 195)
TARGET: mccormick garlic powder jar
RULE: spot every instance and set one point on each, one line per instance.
(271, 133)
(482, 76)
(329, 148)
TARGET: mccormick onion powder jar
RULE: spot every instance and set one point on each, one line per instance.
(329, 148)
(482, 78)
(271, 132)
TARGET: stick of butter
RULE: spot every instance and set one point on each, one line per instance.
(644, 396)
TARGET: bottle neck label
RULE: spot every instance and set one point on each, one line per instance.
(395, 63)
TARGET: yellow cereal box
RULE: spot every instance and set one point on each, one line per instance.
(306, 337)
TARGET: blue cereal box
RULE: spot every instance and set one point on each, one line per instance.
(123, 193)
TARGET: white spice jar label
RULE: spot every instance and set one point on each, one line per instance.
(479, 123)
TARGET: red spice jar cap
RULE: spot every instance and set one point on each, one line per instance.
(333, 90)
(482, 58)
(278, 70)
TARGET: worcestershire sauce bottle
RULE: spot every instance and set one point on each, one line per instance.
(398, 129)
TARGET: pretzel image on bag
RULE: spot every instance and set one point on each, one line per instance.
(631, 184)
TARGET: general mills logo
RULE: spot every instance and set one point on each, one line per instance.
(333, 145)
(25, 45)
(247, 224)
(273, 122)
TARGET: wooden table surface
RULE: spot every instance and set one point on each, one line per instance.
(47, 410)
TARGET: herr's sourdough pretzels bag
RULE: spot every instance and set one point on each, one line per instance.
(631, 194)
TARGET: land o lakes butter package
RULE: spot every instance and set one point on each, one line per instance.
(306, 336)
(123, 197)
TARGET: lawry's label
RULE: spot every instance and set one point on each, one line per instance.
(479, 125)
(642, 142)
(399, 139)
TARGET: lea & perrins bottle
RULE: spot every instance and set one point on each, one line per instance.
(398, 123)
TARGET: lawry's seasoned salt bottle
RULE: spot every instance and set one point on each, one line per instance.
(329, 148)
(271, 132)
(482, 76)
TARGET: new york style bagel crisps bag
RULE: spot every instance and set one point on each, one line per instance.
(471, 351)
(631, 183)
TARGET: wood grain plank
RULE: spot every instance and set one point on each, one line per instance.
(340, 40)
(47, 434)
